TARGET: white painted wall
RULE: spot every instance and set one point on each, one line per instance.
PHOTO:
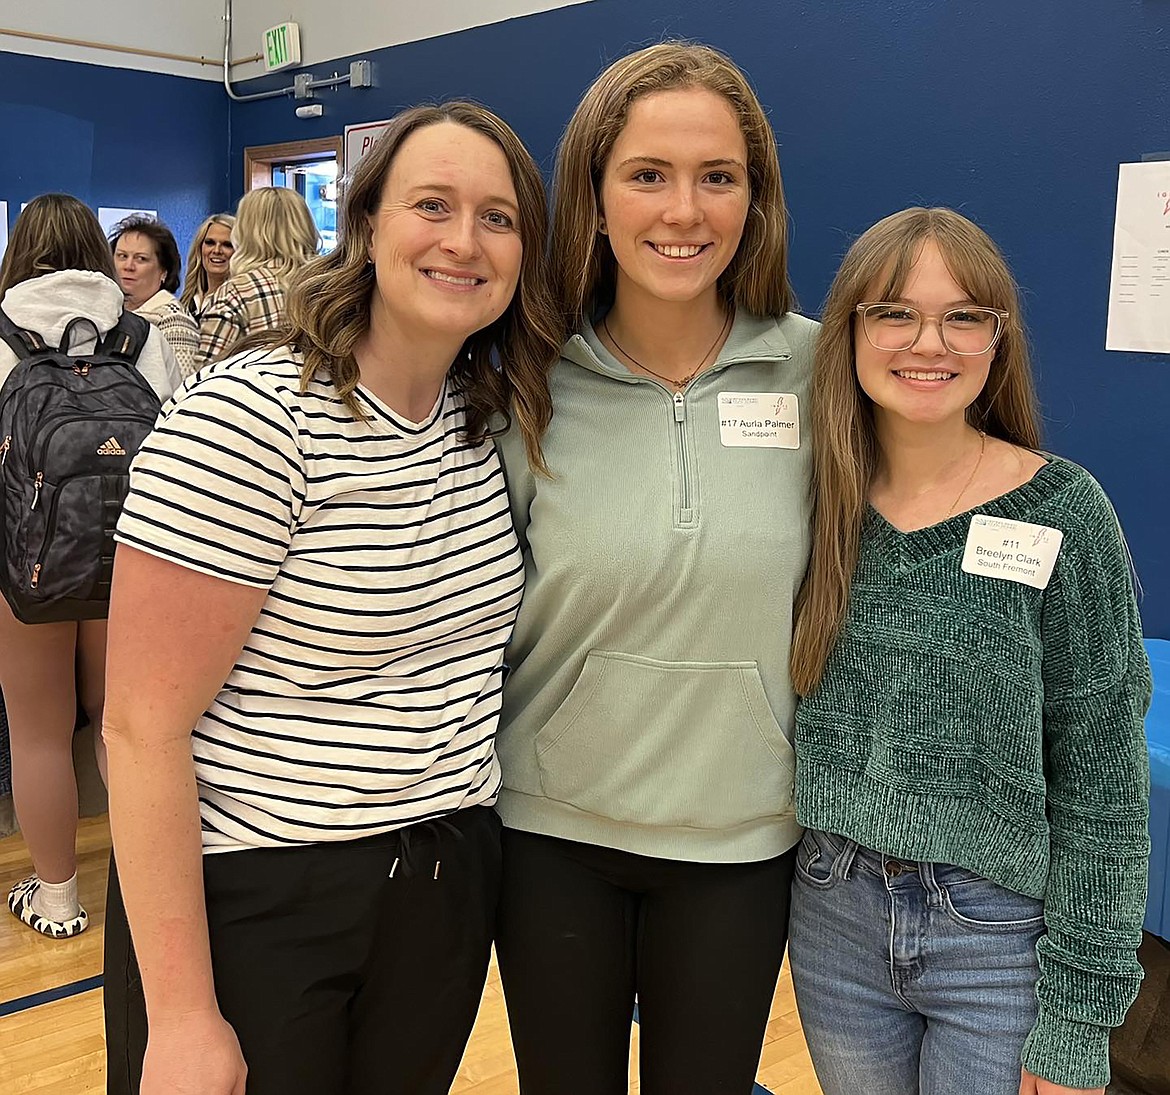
(188, 27)
(338, 28)
(329, 28)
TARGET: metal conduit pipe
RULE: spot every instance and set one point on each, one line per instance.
(304, 84)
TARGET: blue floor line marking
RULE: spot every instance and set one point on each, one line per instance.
(757, 1089)
(48, 996)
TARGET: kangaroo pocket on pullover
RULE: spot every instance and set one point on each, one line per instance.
(654, 743)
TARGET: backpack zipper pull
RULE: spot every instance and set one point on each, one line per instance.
(37, 491)
(4, 449)
(36, 575)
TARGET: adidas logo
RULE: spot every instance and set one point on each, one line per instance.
(110, 447)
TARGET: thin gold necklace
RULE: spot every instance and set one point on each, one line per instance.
(677, 384)
(970, 478)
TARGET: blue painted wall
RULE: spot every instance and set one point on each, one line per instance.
(1018, 114)
(113, 137)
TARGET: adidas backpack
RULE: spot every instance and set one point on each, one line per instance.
(69, 427)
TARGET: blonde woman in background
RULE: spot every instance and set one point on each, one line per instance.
(274, 237)
(208, 261)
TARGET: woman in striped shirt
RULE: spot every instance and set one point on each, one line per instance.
(317, 579)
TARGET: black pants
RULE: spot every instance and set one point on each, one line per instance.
(583, 929)
(337, 978)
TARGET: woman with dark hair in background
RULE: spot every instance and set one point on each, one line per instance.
(57, 268)
(208, 261)
(147, 260)
(970, 758)
(645, 737)
(316, 579)
(274, 237)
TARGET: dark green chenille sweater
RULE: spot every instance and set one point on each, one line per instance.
(971, 720)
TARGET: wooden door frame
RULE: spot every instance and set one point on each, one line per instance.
(258, 159)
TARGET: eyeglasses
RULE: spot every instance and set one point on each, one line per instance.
(966, 331)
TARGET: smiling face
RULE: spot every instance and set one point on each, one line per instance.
(139, 271)
(445, 239)
(216, 253)
(926, 383)
(675, 194)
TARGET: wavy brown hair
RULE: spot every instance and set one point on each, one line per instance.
(55, 232)
(846, 453)
(500, 370)
(583, 266)
(196, 283)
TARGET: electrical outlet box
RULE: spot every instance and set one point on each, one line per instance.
(360, 74)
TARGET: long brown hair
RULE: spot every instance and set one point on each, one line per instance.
(196, 283)
(583, 265)
(846, 454)
(501, 369)
(55, 232)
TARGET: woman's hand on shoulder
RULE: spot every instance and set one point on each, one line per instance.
(193, 1054)
(1034, 1085)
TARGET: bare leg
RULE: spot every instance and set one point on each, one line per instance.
(37, 665)
(91, 683)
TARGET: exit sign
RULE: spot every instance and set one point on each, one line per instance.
(282, 47)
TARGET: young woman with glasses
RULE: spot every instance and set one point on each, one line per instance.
(971, 765)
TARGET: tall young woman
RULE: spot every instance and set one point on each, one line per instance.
(970, 756)
(208, 261)
(648, 713)
(274, 236)
(316, 580)
(57, 267)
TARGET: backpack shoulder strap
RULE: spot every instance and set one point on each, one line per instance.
(22, 342)
(126, 338)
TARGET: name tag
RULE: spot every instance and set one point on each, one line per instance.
(762, 420)
(1012, 550)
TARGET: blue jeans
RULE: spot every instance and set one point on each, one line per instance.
(910, 977)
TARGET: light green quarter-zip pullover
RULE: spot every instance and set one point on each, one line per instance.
(649, 707)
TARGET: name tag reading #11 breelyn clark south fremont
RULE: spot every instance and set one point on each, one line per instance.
(1013, 551)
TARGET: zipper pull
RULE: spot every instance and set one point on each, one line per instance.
(680, 407)
(37, 489)
(36, 575)
(4, 449)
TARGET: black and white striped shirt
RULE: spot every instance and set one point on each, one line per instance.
(367, 695)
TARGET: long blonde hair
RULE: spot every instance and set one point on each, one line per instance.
(846, 453)
(583, 265)
(196, 283)
(502, 369)
(275, 230)
(55, 232)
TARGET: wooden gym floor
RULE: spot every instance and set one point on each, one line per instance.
(51, 1009)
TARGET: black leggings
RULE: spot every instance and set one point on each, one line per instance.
(353, 968)
(584, 929)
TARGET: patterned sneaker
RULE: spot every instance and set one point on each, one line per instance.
(20, 903)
